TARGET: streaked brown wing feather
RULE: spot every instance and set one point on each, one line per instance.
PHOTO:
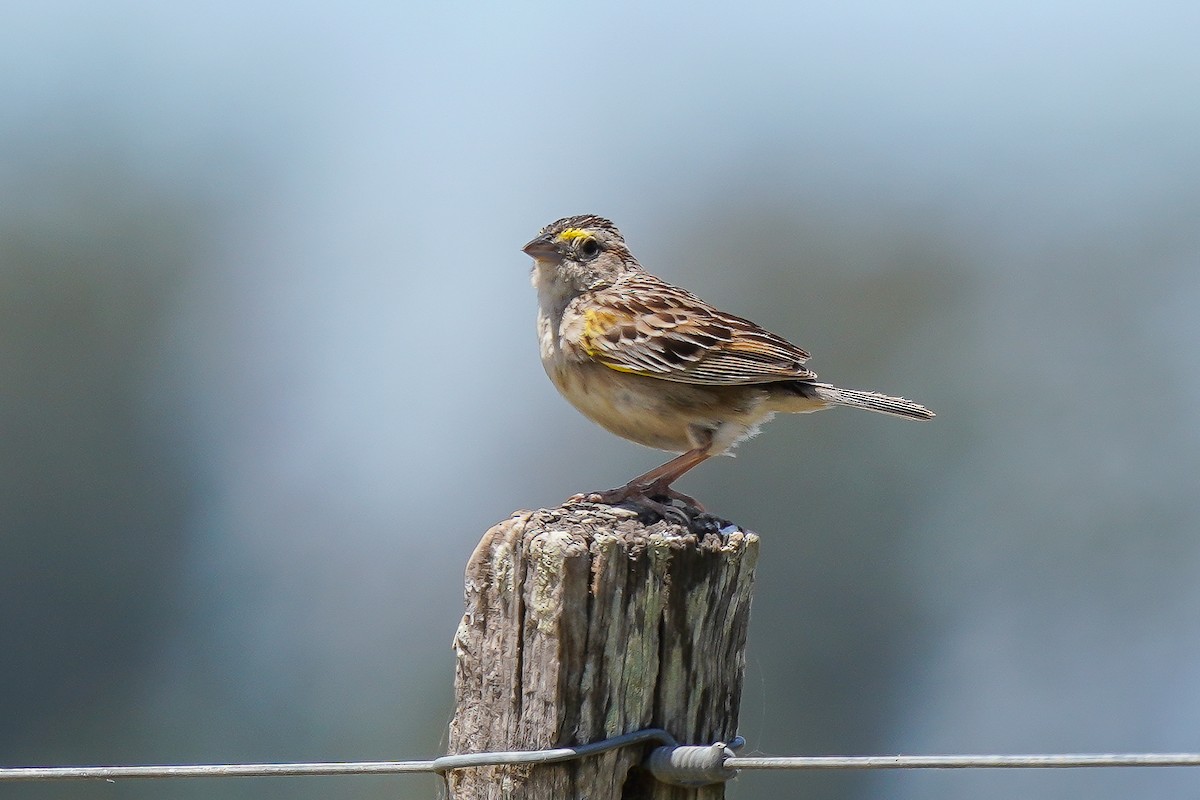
(647, 327)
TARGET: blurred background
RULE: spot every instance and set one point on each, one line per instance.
(268, 367)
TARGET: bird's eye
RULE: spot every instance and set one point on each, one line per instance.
(589, 248)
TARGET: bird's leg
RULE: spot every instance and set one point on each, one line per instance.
(657, 481)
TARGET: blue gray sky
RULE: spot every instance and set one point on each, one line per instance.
(987, 208)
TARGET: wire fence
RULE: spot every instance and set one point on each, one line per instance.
(670, 762)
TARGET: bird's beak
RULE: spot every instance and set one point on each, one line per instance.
(543, 248)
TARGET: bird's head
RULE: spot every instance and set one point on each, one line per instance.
(578, 254)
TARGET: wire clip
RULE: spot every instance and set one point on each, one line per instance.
(693, 765)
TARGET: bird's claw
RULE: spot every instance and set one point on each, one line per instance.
(648, 497)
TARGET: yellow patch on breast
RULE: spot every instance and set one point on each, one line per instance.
(595, 324)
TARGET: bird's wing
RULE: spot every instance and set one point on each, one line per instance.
(647, 327)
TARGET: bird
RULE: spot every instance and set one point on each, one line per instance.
(653, 363)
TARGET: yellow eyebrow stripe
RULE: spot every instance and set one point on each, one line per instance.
(571, 234)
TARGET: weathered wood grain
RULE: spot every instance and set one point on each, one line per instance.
(581, 623)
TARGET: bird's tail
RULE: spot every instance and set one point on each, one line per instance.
(897, 406)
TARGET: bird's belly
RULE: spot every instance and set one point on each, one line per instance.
(624, 405)
(662, 414)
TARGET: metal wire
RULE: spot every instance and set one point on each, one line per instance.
(1045, 761)
(559, 754)
(213, 770)
(442, 764)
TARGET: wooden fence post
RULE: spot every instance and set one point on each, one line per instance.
(582, 623)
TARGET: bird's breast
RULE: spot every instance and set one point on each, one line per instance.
(658, 413)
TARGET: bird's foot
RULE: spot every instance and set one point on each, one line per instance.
(656, 497)
(662, 489)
